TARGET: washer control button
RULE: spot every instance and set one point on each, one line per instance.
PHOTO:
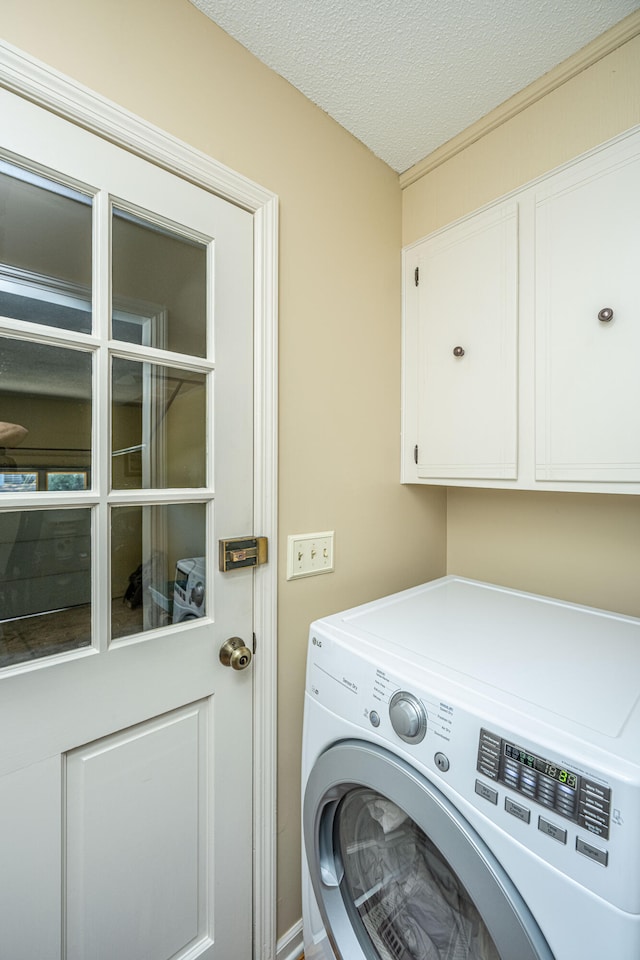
(593, 853)
(552, 830)
(487, 793)
(442, 762)
(408, 717)
(517, 810)
(374, 718)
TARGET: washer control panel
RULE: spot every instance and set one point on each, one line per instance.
(555, 787)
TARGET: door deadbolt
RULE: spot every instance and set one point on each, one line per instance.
(233, 653)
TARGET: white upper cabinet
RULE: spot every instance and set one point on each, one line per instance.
(521, 336)
(588, 322)
(466, 298)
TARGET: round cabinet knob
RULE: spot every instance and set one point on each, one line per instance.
(408, 717)
(605, 315)
(234, 654)
(458, 351)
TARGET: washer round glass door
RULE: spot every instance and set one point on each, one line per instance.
(399, 874)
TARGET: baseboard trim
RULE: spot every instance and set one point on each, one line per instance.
(291, 945)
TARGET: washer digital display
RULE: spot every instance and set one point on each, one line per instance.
(543, 766)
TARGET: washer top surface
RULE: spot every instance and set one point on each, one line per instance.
(578, 662)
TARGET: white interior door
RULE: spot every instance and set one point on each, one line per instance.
(126, 749)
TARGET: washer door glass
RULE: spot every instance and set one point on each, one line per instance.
(397, 871)
(411, 903)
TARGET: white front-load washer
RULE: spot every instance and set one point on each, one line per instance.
(471, 779)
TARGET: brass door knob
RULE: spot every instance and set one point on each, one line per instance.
(233, 653)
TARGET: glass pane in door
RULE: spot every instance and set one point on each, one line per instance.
(45, 583)
(159, 286)
(158, 568)
(158, 426)
(45, 405)
(398, 885)
(45, 251)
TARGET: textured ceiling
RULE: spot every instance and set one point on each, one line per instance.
(405, 76)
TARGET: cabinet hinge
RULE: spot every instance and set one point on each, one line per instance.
(415, 453)
(254, 644)
(416, 276)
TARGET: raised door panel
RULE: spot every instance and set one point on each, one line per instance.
(137, 840)
(587, 382)
(467, 349)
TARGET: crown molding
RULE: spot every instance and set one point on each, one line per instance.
(609, 41)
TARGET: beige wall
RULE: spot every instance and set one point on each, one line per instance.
(579, 547)
(340, 246)
(584, 548)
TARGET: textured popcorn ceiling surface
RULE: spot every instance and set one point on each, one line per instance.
(405, 76)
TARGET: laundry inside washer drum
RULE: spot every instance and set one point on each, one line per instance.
(411, 903)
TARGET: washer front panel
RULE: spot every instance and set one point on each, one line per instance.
(334, 781)
(357, 689)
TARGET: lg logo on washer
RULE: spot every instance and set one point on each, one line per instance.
(316, 642)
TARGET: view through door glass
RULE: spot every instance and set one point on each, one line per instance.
(45, 416)
(58, 466)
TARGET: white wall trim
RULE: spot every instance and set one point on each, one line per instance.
(40, 83)
(30, 78)
(606, 43)
(291, 945)
(265, 578)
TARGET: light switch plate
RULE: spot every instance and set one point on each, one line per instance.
(309, 554)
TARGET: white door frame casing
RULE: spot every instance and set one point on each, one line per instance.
(36, 81)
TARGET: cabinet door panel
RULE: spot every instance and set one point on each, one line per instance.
(587, 382)
(467, 402)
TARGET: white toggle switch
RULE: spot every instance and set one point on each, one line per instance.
(309, 554)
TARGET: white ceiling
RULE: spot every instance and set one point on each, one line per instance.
(405, 76)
